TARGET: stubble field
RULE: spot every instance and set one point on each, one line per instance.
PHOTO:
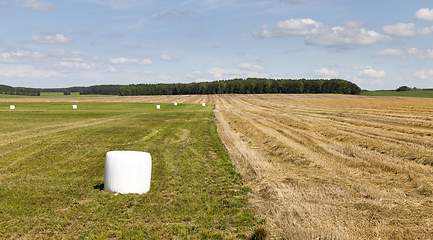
(328, 166)
(334, 166)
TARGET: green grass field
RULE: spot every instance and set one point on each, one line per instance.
(419, 93)
(52, 174)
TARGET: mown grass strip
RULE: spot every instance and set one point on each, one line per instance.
(391, 93)
(55, 189)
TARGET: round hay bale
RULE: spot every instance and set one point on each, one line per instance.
(203, 104)
(158, 107)
(127, 172)
(175, 104)
(12, 107)
(74, 107)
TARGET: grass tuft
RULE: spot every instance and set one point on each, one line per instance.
(259, 234)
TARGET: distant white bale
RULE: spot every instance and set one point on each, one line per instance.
(203, 104)
(175, 104)
(127, 172)
(12, 106)
(74, 106)
(158, 107)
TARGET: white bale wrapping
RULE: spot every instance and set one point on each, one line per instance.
(158, 107)
(127, 172)
(12, 107)
(74, 106)
(175, 104)
(203, 104)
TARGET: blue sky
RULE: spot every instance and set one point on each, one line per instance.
(375, 44)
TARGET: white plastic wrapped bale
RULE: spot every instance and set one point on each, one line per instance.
(127, 172)
(175, 104)
(12, 107)
(158, 106)
(203, 104)
(74, 106)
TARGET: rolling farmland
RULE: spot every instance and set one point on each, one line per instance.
(328, 166)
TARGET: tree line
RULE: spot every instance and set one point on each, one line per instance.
(4, 89)
(238, 85)
(244, 86)
(96, 89)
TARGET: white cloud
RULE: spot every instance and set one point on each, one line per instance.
(249, 67)
(111, 69)
(424, 14)
(220, 73)
(166, 58)
(343, 38)
(410, 53)
(324, 72)
(71, 56)
(370, 72)
(423, 74)
(391, 53)
(407, 30)
(57, 39)
(351, 35)
(53, 59)
(419, 54)
(77, 65)
(28, 71)
(297, 27)
(356, 80)
(21, 56)
(376, 83)
(123, 60)
(35, 6)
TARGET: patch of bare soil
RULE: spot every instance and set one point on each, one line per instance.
(326, 166)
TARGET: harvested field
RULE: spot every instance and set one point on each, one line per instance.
(334, 166)
(327, 166)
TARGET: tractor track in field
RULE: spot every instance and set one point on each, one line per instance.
(327, 166)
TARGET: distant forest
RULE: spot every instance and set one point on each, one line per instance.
(244, 86)
(4, 89)
(239, 86)
(97, 89)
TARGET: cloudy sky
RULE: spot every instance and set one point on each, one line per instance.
(374, 43)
